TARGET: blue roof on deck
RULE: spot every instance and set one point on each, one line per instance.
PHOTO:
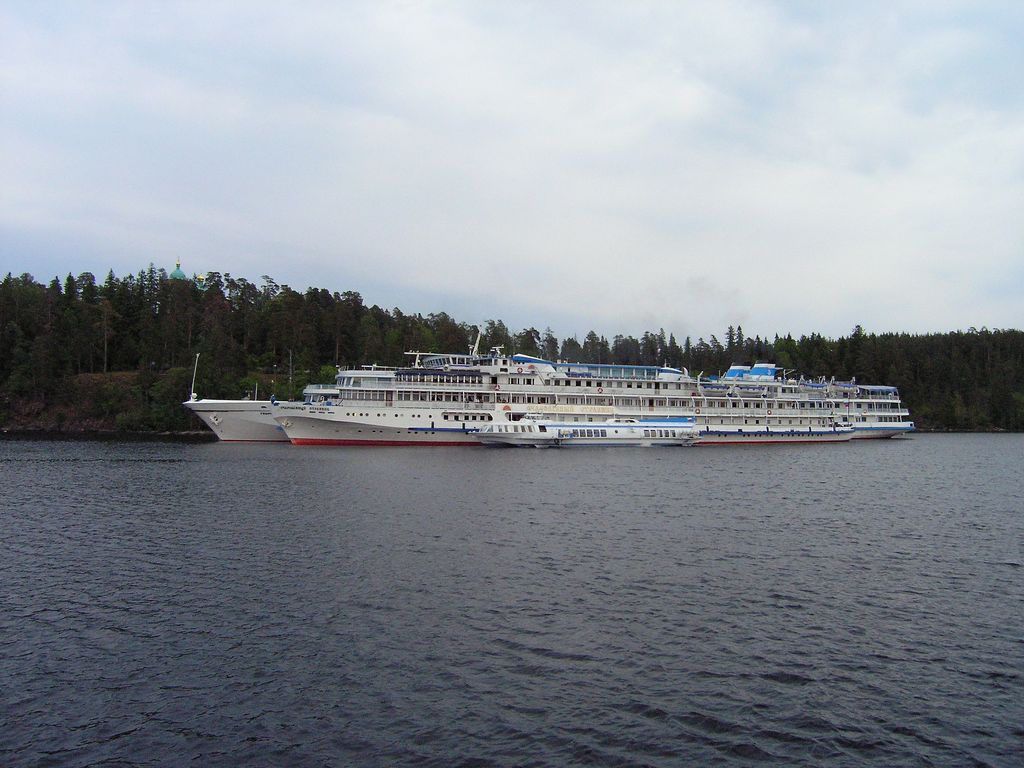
(743, 371)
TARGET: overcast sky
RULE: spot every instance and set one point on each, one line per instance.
(620, 166)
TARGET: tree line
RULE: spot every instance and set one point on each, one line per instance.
(123, 349)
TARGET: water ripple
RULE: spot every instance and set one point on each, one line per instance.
(263, 605)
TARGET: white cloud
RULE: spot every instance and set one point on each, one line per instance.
(615, 166)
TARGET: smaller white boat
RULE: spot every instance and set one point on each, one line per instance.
(543, 433)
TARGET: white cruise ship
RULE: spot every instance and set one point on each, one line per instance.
(873, 411)
(446, 399)
(239, 420)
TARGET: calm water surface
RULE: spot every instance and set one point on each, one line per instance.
(858, 604)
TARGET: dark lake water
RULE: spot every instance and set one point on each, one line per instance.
(166, 604)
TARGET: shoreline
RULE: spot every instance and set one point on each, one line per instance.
(111, 435)
(206, 436)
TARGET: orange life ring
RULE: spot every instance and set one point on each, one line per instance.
(600, 390)
(696, 410)
(519, 370)
(507, 408)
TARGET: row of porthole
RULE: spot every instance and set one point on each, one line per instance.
(381, 431)
(707, 420)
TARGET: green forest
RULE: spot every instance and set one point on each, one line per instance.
(80, 354)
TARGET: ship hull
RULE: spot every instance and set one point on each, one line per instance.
(874, 433)
(730, 437)
(239, 420)
(321, 431)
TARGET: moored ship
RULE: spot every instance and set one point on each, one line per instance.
(239, 420)
(873, 410)
(372, 406)
(446, 399)
(531, 432)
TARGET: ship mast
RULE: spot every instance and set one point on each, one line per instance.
(192, 390)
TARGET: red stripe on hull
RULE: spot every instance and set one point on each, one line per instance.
(394, 443)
